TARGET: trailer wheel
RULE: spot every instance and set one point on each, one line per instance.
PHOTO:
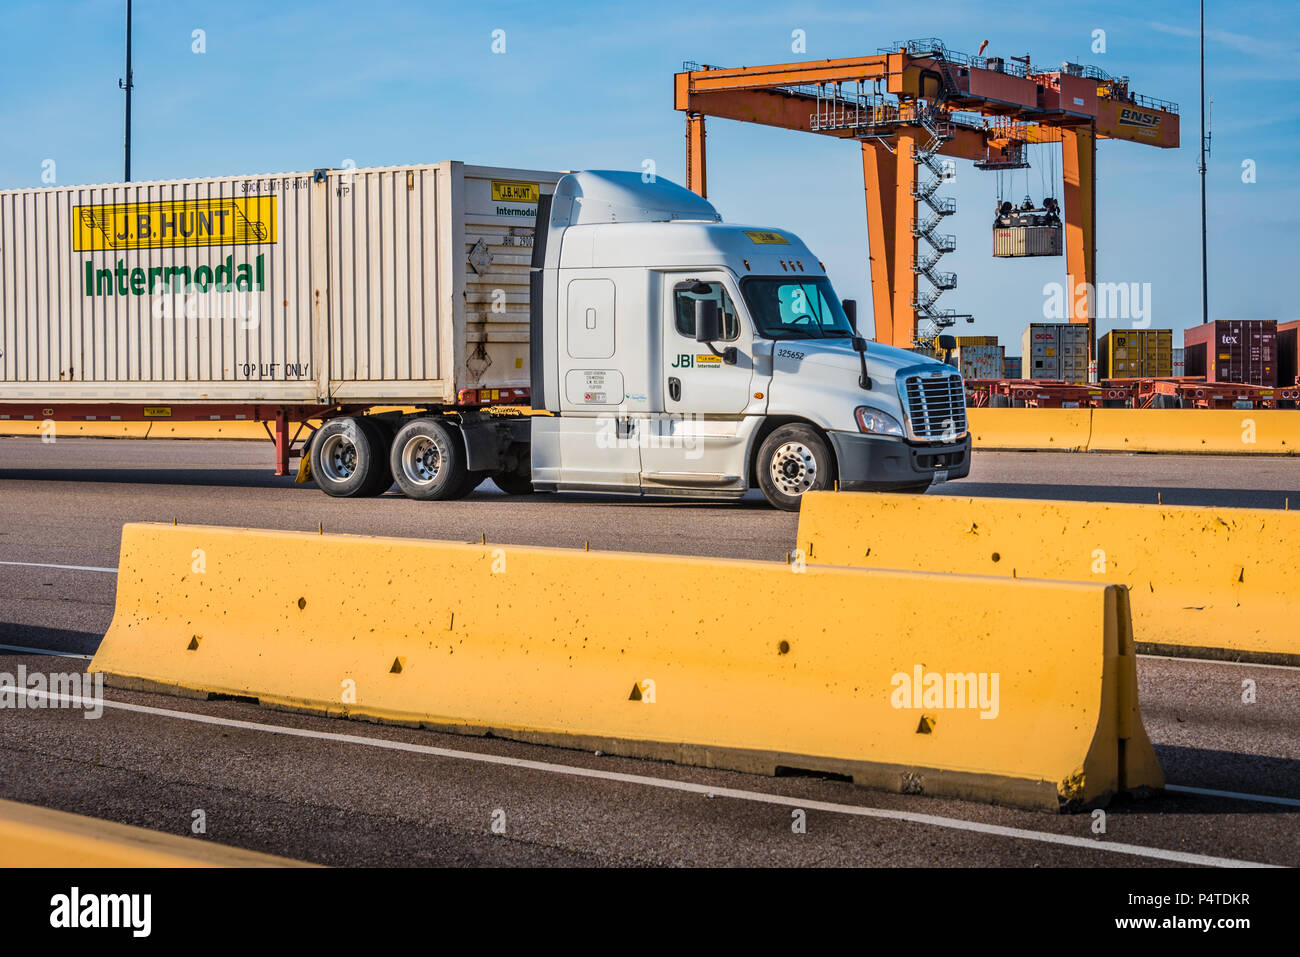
(792, 460)
(428, 461)
(999, 402)
(514, 483)
(349, 458)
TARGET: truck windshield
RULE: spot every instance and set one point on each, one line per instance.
(788, 308)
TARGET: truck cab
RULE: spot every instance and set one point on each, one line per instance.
(678, 355)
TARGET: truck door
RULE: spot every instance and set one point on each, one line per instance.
(700, 439)
(697, 381)
(598, 447)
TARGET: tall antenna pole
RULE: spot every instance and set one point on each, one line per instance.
(1205, 275)
(126, 85)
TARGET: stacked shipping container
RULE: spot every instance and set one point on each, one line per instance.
(1136, 354)
(1233, 350)
(1055, 350)
(1011, 367)
(1288, 353)
(979, 361)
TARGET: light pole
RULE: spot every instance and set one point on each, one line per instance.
(126, 85)
(1205, 142)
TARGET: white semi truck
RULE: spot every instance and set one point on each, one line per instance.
(443, 324)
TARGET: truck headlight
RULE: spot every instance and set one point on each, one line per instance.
(877, 422)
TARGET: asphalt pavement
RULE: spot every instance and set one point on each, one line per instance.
(350, 793)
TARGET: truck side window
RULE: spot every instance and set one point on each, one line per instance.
(684, 304)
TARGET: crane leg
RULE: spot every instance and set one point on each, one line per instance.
(1079, 164)
(878, 180)
(696, 180)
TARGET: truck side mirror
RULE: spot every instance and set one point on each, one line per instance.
(708, 321)
(946, 345)
(859, 344)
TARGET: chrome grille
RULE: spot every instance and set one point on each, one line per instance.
(935, 404)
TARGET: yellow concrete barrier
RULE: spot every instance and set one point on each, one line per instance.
(166, 428)
(911, 682)
(1034, 429)
(1219, 431)
(1213, 582)
(221, 429)
(33, 836)
(102, 429)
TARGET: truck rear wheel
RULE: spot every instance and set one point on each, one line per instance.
(792, 460)
(428, 462)
(349, 458)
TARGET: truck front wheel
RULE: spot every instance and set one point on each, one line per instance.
(428, 461)
(349, 458)
(792, 460)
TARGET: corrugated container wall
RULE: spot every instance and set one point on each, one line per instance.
(1233, 350)
(1178, 367)
(1026, 241)
(1055, 350)
(1011, 367)
(1136, 354)
(1288, 353)
(979, 362)
(375, 285)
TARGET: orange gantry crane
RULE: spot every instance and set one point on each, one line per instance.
(908, 106)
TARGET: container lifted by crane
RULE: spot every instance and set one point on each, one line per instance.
(913, 107)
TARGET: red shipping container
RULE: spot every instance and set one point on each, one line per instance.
(1233, 350)
(1288, 353)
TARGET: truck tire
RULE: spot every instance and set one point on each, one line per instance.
(349, 458)
(514, 483)
(792, 460)
(380, 438)
(428, 462)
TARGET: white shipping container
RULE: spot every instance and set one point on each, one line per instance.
(979, 362)
(377, 286)
(1026, 241)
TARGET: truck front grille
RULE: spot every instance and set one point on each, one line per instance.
(936, 406)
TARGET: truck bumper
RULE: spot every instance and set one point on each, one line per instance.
(880, 463)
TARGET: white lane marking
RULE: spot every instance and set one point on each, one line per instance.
(44, 651)
(72, 568)
(997, 830)
(1218, 661)
(1236, 795)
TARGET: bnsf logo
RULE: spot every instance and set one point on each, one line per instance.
(1132, 117)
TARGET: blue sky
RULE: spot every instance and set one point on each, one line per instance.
(290, 86)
